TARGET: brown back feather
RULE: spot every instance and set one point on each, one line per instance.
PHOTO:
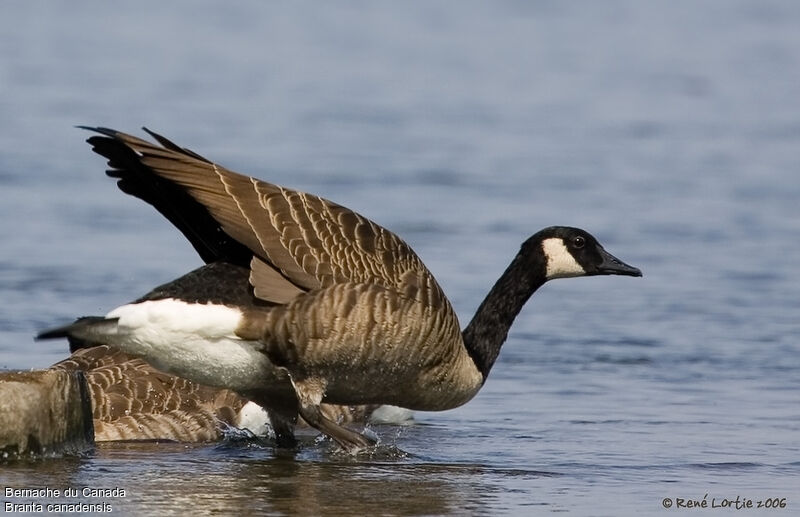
(131, 400)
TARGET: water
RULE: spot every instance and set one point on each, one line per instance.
(668, 129)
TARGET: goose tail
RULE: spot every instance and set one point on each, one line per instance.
(85, 332)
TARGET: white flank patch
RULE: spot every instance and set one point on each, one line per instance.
(560, 262)
(392, 415)
(171, 315)
(195, 341)
(254, 418)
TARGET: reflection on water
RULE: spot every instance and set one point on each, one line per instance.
(251, 479)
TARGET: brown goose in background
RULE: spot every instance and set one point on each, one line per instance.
(131, 400)
(339, 309)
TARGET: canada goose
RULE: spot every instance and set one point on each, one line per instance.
(349, 314)
(131, 400)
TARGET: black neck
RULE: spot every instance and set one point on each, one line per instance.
(488, 329)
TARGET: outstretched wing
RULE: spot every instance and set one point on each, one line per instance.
(294, 242)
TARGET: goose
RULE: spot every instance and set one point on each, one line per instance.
(338, 309)
(132, 401)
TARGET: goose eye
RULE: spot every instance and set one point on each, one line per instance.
(579, 242)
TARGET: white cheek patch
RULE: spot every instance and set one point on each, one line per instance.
(560, 262)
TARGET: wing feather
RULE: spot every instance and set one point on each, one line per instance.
(300, 241)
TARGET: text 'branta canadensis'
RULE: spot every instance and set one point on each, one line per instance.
(338, 309)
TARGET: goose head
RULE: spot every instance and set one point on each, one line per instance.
(570, 252)
(554, 252)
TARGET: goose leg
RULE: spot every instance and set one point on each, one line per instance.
(309, 396)
(284, 430)
(347, 439)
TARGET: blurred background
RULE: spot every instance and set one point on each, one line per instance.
(669, 130)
